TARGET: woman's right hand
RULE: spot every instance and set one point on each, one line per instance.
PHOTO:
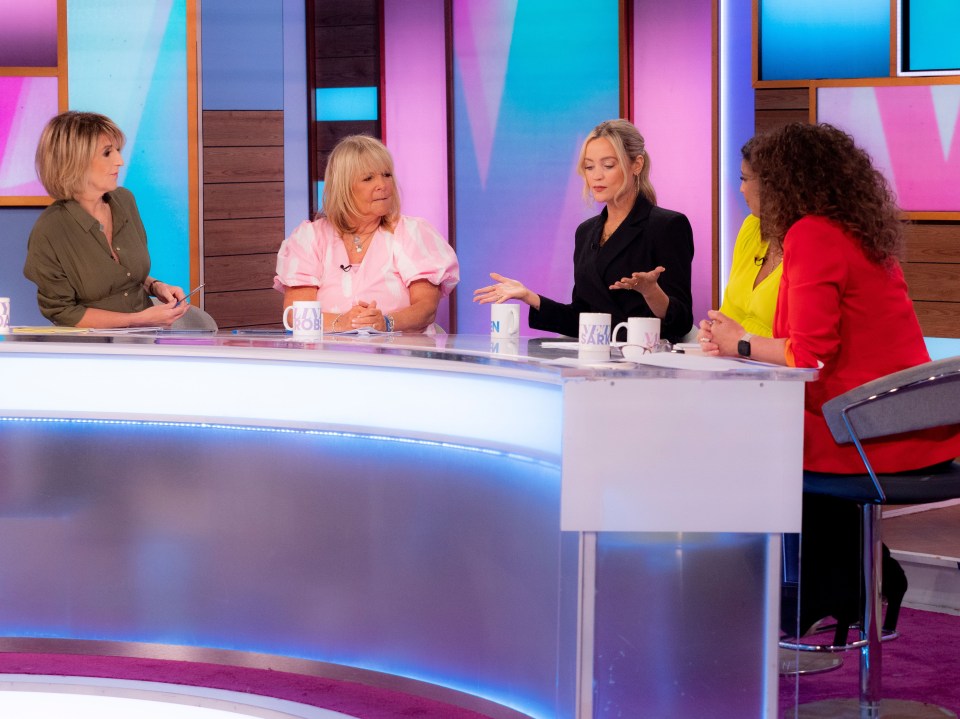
(505, 289)
(162, 315)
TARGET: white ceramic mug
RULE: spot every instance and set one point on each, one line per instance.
(505, 320)
(306, 321)
(642, 331)
(594, 335)
(4, 315)
(504, 346)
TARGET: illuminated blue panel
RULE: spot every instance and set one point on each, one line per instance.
(824, 39)
(243, 55)
(519, 122)
(346, 103)
(932, 35)
(129, 61)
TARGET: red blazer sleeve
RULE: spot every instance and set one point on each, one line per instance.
(817, 268)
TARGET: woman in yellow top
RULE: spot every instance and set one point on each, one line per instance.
(751, 292)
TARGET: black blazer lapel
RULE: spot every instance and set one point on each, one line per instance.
(629, 230)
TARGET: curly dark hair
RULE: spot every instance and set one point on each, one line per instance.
(819, 170)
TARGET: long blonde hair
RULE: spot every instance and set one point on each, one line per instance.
(66, 149)
(352, 158)
(628, 143)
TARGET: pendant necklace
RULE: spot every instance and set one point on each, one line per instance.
(358, 243)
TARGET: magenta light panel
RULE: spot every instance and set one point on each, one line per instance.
(26, 103)
(911, 132)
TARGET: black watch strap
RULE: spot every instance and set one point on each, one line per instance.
(743, 346)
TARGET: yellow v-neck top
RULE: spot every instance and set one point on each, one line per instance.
(753, 307)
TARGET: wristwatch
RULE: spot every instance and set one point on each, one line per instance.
(743, 346)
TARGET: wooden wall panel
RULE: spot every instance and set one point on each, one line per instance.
(938, 319)
(236, 200)
(246, 308)
(348, 40)
(346, 71)
(232, 128)
(346, 12)
(243, 216)
(778, 106)
(243, 164)
(929, 281)
(933, 241)
(230, 273)
(242, 237)
(932, 270)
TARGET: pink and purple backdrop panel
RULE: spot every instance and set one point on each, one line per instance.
(531, 79)
(415, 110)
(911, 132)
(26, 103)
(28, 33)
(672, 106)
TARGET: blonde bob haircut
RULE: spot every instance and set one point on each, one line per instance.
(628, 143)
(353, 158)
(66, 149)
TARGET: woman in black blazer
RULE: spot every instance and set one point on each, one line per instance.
(631, 260)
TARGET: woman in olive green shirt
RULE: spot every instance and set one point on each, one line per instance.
(87, 252)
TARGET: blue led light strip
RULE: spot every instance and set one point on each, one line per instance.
(287, 430)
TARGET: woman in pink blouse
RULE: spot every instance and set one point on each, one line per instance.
(367, 264)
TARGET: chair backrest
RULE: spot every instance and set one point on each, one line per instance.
(920, 397)
(195, 319)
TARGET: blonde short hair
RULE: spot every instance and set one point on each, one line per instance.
(628, 143)
(66, 149)
(352, 158)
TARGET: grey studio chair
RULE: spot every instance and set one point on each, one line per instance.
(921, 397)
(194, 320)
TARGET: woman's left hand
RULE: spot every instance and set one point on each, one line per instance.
(719, 335)
(642, 282)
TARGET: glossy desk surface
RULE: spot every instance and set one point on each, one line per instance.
(530, 358)
(612, 425)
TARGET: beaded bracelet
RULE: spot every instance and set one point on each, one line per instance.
(388, 322)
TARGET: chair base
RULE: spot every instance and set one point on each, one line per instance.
(889, 709)
(795, 662)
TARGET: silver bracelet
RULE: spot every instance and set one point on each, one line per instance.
(333, 327)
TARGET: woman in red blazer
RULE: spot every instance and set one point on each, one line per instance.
(843, 306)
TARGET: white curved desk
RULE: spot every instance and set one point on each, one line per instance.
(507, 527)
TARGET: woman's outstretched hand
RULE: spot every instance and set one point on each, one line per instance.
(642, 282)
(505, 289)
